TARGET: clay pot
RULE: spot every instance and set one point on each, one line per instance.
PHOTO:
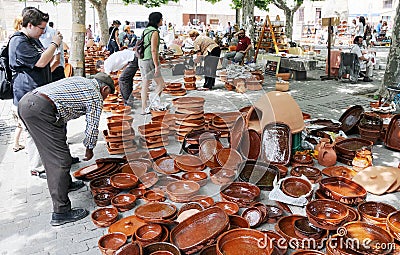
(326, 155)
(362, 160)
(110, 243)
(104, 217)
(326, 214)
(124, 202)
(296, 187)
(321, 141)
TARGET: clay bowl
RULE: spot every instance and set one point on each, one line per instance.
(236, 221)
(229, 208)
(182, 190)
(134, 167)
(326, 214)
(228, 157)
(148, 179)
(375, 212)
(103, 198)
(148, 233)
(313, 174)
(254, 216)
(119, 118)
(124, 202)
(104, 217)
(138, 192)
(282, 170)
(189, 163)
(133, 248)
(222, 176)
(199, 177)
(102, 184)
(343, 190)
(157, 153)
(304, 160)
(190, 206)
(121, 110)
(161, 248)
(205, 201)
(295, 187)
(273, 213)
(305, 229)
(279, 242)
(258, 173)
(124, 181)
(209, 250)
(353, 215)
(110, 243)
(359, 231)
(165, 165)
(154, 196)
(235, 241)
(242, 193)
(393, 224)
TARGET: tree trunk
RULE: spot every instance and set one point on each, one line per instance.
(392, 74)
(101, 8)
(289, 24)
(248, 22)
(78, 37)
(237, 14)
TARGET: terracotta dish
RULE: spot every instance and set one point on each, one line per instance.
(236, 221)
(295, 187)
(130, 249)
(326, 214)
(343, 190)
(238, 241)
(189, 163)
(393, 224)
(110, 243)
(207, 226)
(378, 179)
(209, 250)
(148, 233)
(102, 184)
(222, 176)
(199, 177)
(161, 248)
(208, 151)
(154, 196)
(312, 173)
(229, 158)
(124, 181)
(156, 210)
(279, 242)
(165, 165)
(182, 190)
(253, 216)
(149, 179)
(124, 202)
(230, 208)
(359, 231)
(242, 193)
(302, 159)
(305, 229)
(157, 153)
(375, 212)
(205, 201)
(392, 139)
(134, 167)
(276, 143)
(251, 148)
(339, 171)
(258, 173)
(104, 217)
(103, 198)
(164, 180)
(350, 118)
(351, 145)
(138, 192)
(236, 134)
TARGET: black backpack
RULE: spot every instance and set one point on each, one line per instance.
(6, 88)
(140, 47)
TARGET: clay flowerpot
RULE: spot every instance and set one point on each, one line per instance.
(326, 155)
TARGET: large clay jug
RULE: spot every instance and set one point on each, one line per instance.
(318, 146)
(326, 155)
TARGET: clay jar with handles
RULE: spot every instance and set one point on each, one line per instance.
(326, 155)
(318, 146)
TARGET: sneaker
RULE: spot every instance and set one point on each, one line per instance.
(58, 219)
(76, 185)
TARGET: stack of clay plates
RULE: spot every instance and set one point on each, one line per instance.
(175, 89)
(153, 135)
(224, 122)
(119, 135)
(189, 115)
(90, 65)
(110, 102)
(190, 79)
(168, 119)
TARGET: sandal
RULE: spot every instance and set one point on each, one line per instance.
(20, 147)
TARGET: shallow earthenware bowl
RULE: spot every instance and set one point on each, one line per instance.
(154, 196)
(295, 187)
(375, 212)
(199, 177)
(134, 167)
(133, 248)
(302, 159)
(138, 192)
(229, 208)
(326, 214)
(124, 202)
(254, 216)
(148, 233)
(182, 190)
(282, 170)
(222, 176)
(236, 221)
(124, 181)
(104, 217)
(164, 247)
(304, 229)
(209, 250)
(242, 193)
(103, 198)
(102, 184)
(110, 243)
(313, 174)
(235, 241)
(393, 224)
(205, 201)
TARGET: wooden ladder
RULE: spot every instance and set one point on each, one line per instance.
(263, 36)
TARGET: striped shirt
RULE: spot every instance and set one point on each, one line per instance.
(75, 97)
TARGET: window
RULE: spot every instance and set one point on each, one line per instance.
(318, 13)
(301, 14)
(387, 3)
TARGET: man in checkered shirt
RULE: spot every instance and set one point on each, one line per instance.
(45, 112)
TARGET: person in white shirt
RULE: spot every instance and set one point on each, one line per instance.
(366, 63)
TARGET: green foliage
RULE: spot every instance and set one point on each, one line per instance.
(149, 3)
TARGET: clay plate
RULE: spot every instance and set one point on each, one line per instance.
(295, 187)
(124, 181)
(251, 148)
(361, 230)
(305, 229)
(207, 225)
(258, 173)
(276, 143)
(350, 118)
(81, 173)
(343, 190)
(242, 193)
(155, 210)
(165, 165)
(393, 224)
(392, 138)
(339, 171)
(222, 176)
(182, 190)
(243, 241)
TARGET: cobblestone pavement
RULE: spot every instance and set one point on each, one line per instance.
(25, 206)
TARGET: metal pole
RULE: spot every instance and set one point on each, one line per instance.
(94, 22)
(196, 14)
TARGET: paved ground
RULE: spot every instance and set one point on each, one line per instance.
(25, 206)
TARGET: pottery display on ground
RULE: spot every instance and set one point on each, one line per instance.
(153, 135)
(347, 148)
